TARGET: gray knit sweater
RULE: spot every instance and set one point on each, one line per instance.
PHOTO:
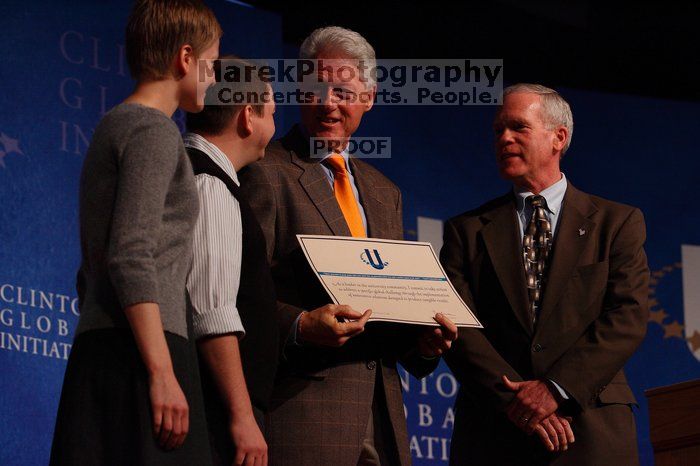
(138, 207)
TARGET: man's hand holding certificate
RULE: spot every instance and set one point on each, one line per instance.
(331, 325)
(400, 281)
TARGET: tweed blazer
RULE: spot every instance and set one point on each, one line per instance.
(323, 397)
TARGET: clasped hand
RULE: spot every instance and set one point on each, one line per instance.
(534, 411)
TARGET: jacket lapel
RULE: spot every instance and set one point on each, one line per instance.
(574, 231)
(501, 236)
(315, 182)
(372, 205)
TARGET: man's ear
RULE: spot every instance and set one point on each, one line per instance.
(245, 121)
(369, 95)
(184, 61)
(561, 135)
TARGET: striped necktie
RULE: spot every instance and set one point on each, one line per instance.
(537, 246)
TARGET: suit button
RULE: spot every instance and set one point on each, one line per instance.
(371, 365)
(537, 348)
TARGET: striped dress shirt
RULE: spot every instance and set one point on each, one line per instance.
(215, 275)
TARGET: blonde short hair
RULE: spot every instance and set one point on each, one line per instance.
(157, 29)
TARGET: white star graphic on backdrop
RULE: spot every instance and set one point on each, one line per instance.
(10, 146)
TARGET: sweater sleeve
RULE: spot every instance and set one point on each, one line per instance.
(146, 162)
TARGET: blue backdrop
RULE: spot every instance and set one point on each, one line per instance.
(64, 67)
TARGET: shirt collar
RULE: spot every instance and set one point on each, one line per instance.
(345, 154)
(197, 141)
(554, 195)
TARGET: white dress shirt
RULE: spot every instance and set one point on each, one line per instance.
(218, 248)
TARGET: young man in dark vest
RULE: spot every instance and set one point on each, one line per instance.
(230, 285)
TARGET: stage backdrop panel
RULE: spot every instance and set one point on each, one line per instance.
(64, 68)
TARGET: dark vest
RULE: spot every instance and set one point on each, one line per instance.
(256, 300)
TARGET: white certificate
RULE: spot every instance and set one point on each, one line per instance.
(401, 281)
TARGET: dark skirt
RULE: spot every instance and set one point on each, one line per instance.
(104, 417)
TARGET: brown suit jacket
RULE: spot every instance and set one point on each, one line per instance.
(593, 316)
(323, 397)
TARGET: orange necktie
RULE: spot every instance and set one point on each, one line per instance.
(345, 196)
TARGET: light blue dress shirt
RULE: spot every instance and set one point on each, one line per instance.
(554, 195)
(331, 180)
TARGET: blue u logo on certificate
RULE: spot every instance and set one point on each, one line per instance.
(375, 261)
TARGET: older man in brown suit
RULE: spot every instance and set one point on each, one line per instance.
(337, 400)
(559, 279)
